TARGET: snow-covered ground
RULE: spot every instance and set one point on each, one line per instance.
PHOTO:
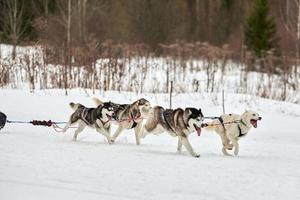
(38, 163)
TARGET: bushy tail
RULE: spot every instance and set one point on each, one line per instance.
(97, 101)
(74, 106)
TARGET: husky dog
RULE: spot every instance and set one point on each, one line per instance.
(2, 120)
(178, 123)
(232, 127)
(98, 118)
(129, 116)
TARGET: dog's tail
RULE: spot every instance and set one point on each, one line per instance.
(97, 101)
(74, 106)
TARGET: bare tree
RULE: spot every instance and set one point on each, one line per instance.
(291, 20)
(66, 14)
(12, 20)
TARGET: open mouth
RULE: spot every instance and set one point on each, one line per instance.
(109, 116)
(198, 129)
(254, 123)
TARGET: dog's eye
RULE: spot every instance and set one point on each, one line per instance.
(253, 114)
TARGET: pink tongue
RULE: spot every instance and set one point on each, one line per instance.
(198, 131)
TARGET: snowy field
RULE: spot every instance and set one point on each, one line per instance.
(38, 163)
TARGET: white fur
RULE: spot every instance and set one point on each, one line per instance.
(231, 132)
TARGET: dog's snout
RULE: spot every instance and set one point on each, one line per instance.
(259, 118)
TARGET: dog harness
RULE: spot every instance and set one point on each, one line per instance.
(134, 122)
(84, 114)
(164, 114)
(240, 130)
(222, 122)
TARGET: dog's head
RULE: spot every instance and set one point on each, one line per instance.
(107, 109)
(250, 118)
(143, 105)
(194, 118)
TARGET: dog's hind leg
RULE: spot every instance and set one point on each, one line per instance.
(67, 126)
(226, 145)
(79, 130)
(189, 147)
(179, 145)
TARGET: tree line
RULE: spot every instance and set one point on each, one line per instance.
(262, 35)
(152, 22)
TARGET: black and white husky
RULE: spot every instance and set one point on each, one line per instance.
(129, 116)
(178, 123)
(98, 118)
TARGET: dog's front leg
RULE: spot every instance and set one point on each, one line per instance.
(179, 145)
(137, 131)
(188, 146)
(117, 133)
(105, 132)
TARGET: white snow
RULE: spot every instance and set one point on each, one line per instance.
(38, 163)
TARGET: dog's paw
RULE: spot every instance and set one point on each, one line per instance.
(196, 155)
(229, 147)
(111, 141)
(225, 153)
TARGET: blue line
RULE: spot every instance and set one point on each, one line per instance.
(29, 122)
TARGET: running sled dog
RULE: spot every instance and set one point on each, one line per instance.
(98, 118)
(232, 127)
(129, 116)
(178, 123)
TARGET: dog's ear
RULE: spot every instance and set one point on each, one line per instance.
(246, 110)
(142, 101)
(200, 111)
(187, 111)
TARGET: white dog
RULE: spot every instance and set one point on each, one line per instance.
(231, 127)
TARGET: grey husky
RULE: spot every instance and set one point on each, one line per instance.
(98, 118)
(129, 116)
(178, 123)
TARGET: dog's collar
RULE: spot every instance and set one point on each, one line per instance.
(242, 122)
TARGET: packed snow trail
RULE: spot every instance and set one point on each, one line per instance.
(38, 163)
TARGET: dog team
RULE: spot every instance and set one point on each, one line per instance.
(145, 120)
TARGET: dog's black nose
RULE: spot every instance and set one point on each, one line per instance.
(114, 116)
(259, 118)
